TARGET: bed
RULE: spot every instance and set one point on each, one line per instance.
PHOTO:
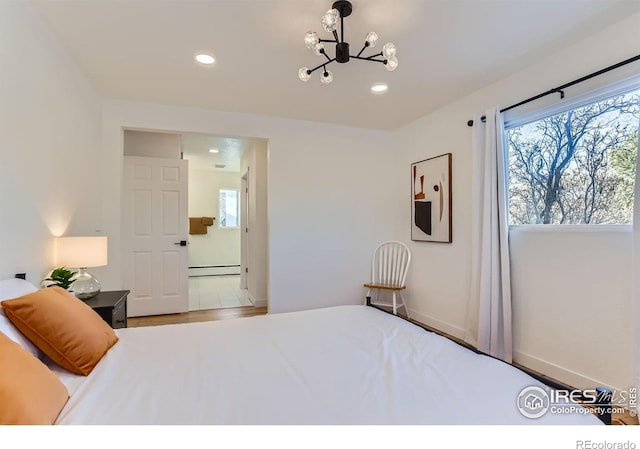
(338, 365)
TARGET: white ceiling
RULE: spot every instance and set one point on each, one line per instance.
(143, 50)
(195, 148)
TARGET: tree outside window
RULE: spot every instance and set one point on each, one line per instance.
(577, 167)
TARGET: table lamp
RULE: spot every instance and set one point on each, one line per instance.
(82, 253)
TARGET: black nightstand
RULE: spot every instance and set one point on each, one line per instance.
(111, 306)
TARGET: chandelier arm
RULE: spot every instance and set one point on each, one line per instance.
(366, 44)
(343, 8)
(321, 65)
(370, 58)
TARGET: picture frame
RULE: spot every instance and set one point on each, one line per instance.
(431, 200)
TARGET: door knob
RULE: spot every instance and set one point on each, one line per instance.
(181, 243)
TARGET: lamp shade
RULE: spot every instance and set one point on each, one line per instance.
(81, 252)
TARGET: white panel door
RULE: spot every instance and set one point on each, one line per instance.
(154, 230)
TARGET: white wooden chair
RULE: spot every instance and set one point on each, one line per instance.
(389, 272)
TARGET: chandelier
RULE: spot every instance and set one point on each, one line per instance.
(339, 11)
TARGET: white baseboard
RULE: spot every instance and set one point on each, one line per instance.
(447, 328)
(214, 271)
(549, 369)
(257, 302)
(559, 373)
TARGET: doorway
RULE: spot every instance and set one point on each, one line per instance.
(220, 171)
(199, 276)
(244, 237)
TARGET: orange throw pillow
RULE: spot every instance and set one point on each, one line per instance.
(63, 327)
(29, 392)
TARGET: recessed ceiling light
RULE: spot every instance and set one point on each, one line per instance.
(379, 88)
(214, 150)
(204, 58)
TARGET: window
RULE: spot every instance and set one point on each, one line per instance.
(229, 207)
(577, 166)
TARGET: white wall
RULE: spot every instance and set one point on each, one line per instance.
(152, 144)
(218, 246)
(572, 315)
(328, 196)
(571, 291)
(255, 162)
(61, 172)
(49, 145)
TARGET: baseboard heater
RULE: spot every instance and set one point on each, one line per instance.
(213, 270)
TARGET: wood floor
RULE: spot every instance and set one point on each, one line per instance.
(238, 312)
(624, 419)
(196, 316)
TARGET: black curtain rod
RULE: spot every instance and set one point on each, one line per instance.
(560, 89)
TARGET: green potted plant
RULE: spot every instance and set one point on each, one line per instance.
(60, 277)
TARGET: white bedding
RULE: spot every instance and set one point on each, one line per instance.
(341, 365)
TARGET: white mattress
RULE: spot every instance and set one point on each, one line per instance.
(341, 365)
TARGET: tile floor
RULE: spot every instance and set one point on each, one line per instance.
(216, 292)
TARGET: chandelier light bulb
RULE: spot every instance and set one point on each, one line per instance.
(391, 64)
(318, 49)
(389, 51)
(371, 39)
(330, 20)
(327, 77)
(311, 39)
(304, 74)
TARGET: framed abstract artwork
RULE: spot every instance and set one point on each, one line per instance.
(431, 219)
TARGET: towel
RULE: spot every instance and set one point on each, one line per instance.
(207, 221)
(196, 226)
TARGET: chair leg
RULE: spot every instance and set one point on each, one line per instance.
(395, 304)
(404, 303)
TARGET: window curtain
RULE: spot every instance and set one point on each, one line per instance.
(635, 304)
(489, 315)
